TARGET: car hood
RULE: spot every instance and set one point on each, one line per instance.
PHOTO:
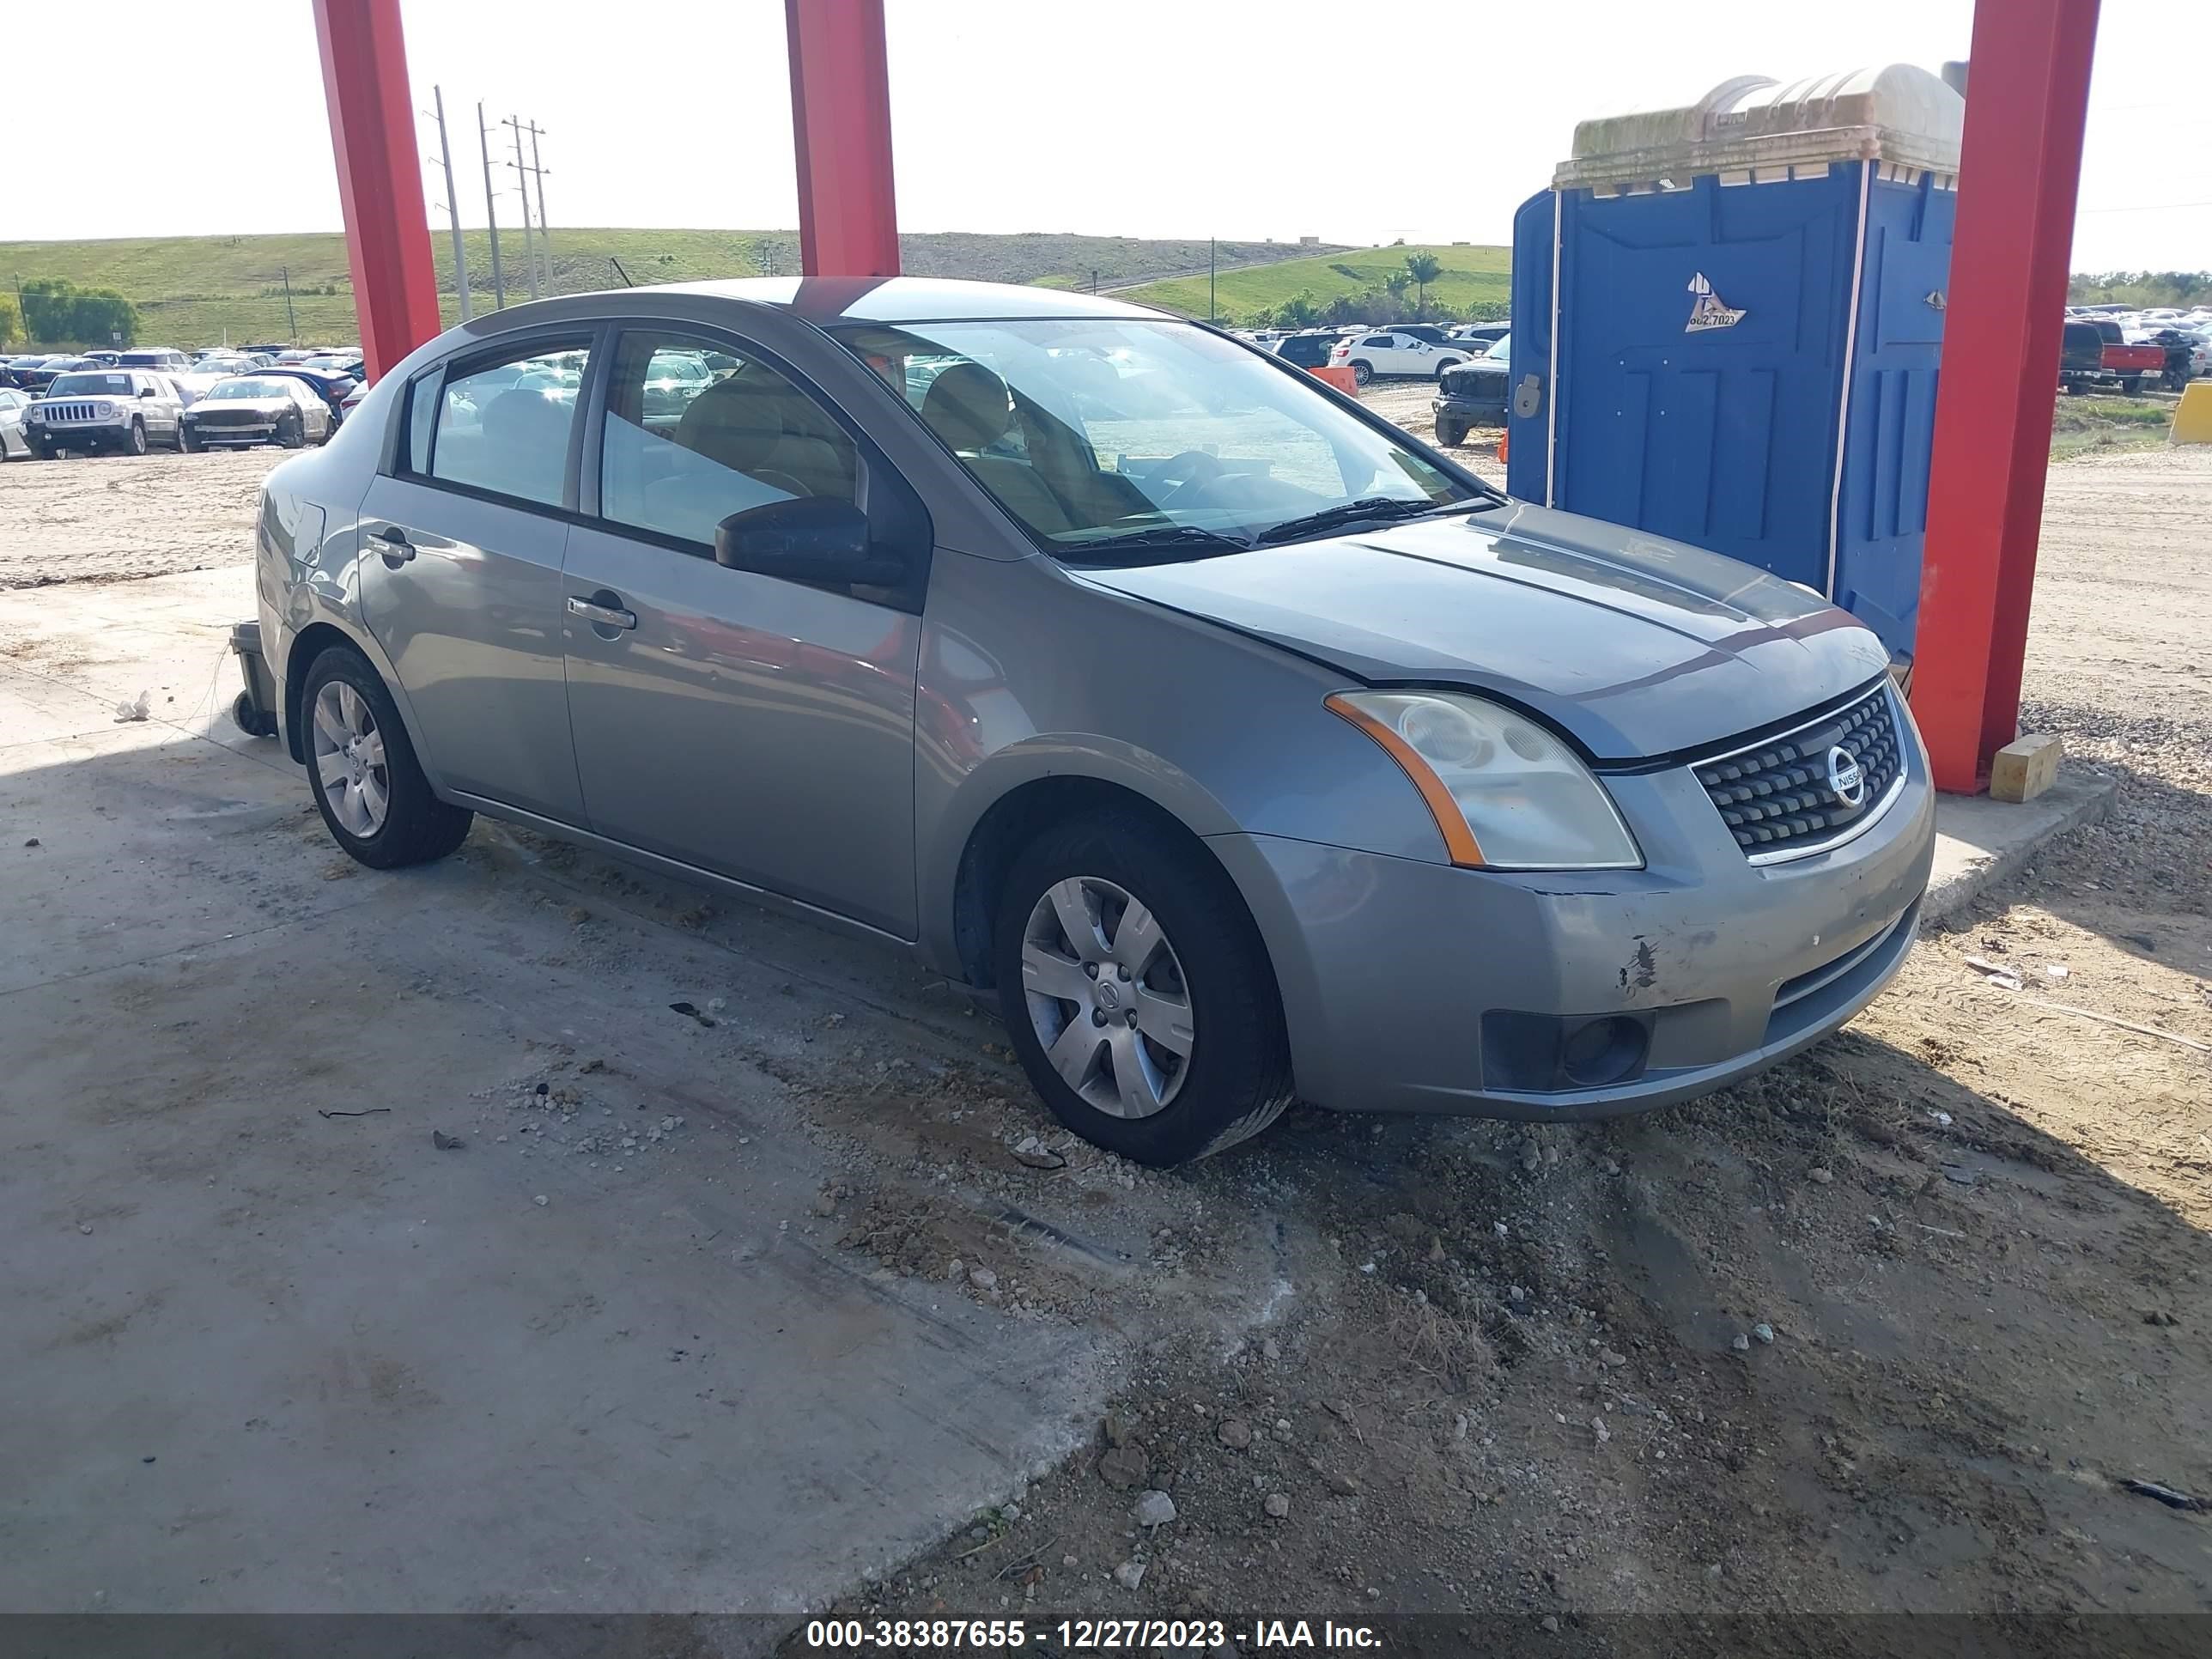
(255, 405)
(1634, 646)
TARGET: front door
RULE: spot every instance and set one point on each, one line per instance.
(461, 572)
(759, 728)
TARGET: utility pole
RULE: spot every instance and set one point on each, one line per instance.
(514, 124)
(291, 320)
(452, 204)
(491, 218)
(545, 230)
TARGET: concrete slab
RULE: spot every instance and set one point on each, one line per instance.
(1979, 841)
(270, 1350)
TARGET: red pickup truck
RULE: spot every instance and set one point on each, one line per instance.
(2131, 365)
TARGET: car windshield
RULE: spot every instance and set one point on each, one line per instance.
(1501, 349)
(249, 389)
(90, 385)
(1113, 439)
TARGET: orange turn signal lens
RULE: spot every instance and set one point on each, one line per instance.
(1451, 822)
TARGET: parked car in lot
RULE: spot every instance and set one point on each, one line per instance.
(259, 407)
(333, 389)
(1478, 337)
(87, 411)
(1244, 748)
(13, 444)
(1395, 351)
(1474, 394)
(161, 360)
(1309, 349)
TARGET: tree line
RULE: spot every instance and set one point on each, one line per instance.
(56, 313)
(1402, 296)
(2139, 287)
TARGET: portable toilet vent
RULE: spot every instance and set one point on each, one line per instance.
(1727, 323)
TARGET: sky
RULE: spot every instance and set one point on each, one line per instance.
(1240, 119)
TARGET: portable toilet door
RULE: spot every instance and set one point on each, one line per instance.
(1742, 345)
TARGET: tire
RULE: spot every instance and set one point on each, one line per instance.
(2131, 383)
(289, 433)
(1235, 1078)
(137, 445)
(415, 827)
(254, 722)
(187, 444)
(1361, 371)
(1449, 435)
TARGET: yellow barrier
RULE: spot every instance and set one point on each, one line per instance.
(2192, 416)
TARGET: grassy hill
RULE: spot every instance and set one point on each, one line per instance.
(1471, 275)
(197, 290)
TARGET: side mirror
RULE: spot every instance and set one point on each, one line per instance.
(147, 392)
(812, 538)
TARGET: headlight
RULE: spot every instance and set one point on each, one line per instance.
(105, 411)
(1506, 793)
(36, 413)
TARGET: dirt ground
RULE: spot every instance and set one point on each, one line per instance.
(1888, 1328)
(114, 518)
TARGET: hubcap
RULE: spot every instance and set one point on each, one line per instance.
(1107, 997)
(349, 760)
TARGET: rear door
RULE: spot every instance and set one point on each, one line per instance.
(757, 728)
(461, 569)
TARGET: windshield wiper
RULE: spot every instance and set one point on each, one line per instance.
(1172, 541)
(1365, 508)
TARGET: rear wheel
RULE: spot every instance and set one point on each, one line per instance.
(1361, 371)
(1137, 992)
(369, 787)
(2131, 383)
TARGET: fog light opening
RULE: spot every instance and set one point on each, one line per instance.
(1604, 1051)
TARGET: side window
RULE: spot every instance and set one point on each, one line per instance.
(1376, 340)
(504, 426)
(422, 422)
(688, 441)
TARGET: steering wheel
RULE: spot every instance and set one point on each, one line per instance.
(1189, 471)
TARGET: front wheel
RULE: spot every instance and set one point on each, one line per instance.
(291, 432)
(187, 442)
(369, 787)
(1137, 992)
(1362, 372)
(1450, 436)
(137, 437)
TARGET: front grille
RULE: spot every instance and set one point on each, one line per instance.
(1473, 383)
(232, 417)
(68, 412)
(1777, 797)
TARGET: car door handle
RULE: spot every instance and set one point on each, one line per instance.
(602, 616)
(394, 545)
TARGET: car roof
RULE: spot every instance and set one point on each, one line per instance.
(827, 300)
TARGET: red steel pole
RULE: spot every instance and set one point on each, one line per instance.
(2027, 96)
(840, 117)
(395, 283)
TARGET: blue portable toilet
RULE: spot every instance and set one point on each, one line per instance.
(1727, 323)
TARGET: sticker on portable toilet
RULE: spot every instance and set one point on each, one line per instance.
(1709, 310)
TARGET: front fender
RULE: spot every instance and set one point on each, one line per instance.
(943, 841)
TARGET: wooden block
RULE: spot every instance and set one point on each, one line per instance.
(2025, 768)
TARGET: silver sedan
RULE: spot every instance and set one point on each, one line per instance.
(1243, 748)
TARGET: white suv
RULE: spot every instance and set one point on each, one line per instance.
(95, 408)
(1393, 351)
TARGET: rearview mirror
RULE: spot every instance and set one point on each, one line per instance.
(812, 538)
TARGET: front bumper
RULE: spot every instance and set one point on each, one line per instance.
(78, 435)
(1479, 409)
(214, 436)
(1388, 967)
